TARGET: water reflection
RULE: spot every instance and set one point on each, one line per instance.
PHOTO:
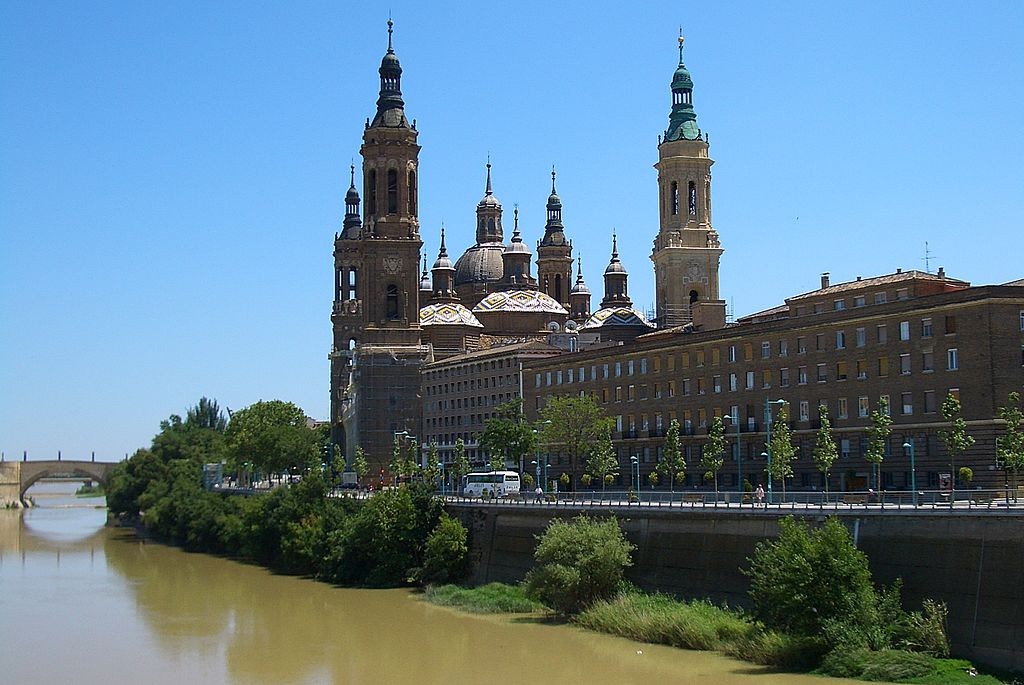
(159, 615)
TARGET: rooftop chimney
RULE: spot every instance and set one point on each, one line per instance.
(858, 278)
(824, 280)
(899, 270)
(942, 272)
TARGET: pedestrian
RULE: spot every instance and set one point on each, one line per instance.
(759, 494)
(539, 492)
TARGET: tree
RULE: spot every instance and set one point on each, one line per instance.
(1010, 445)
(433, 471)
(273, 436)
(672, 464)
(412, 460)
(783, 450)
(508, 434)
(713, 457)
(825, 452)
(359, 464)
(460, 464)
(807, 578)
(573, 425)
(955, 437)
(602, 460)
(446, 554)
(206, 414)
(878, 438)
(578, 562)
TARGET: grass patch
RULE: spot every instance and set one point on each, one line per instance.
(89, 490)
(493, 598)
(893, 665)
(662, 620)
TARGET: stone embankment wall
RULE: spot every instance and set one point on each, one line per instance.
(10, 483)
(973, 562)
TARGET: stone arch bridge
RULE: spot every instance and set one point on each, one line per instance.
(18, 476)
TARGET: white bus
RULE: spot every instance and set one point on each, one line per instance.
(495, 483)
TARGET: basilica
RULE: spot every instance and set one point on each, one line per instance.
(389, 319)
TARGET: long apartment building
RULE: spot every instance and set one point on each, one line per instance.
(908, 337)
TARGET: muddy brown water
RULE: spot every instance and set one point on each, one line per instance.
(85, 604)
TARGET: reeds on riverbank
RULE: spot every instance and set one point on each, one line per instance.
(494, 598)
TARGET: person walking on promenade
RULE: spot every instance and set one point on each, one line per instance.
(759, 494)
(539, 492)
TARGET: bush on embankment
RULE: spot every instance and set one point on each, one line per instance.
(380, 542)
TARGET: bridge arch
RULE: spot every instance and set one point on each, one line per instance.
(34, 471)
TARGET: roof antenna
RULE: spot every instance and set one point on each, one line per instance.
(927, 258)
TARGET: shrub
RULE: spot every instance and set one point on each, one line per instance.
(578, 563)
(806, 578)
(772, 648)
(446, 557)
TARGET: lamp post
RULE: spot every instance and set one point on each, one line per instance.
(768, 441)
(739, 454)
(538, 464)
(909, 446)
(634, 467)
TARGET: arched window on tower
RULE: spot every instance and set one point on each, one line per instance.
(490, 225)
(412, 193)
(351, 284)
(674, 199)
(392, 302)
(558, 287)
(692, 192)
(371, 192)
(392, 191)
(693, 297)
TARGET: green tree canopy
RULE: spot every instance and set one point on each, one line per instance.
(507, 434)
(783, 451)
(273, 436)
(206, 414)
(713, 457)
(825, 452)
(573, 425)
(602, 461)
(955, 437)
(673, 463)
(1010, 445)
(878, 437)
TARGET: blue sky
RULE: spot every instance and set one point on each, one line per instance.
(171, 176)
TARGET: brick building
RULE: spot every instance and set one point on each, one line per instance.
(911, 337)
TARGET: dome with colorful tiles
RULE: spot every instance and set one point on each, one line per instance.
(448, 314)
(616, 316)
(519, 301)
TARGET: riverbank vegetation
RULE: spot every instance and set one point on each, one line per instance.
(493, 598)
(90, 490)
(398, 537)
(815, 607)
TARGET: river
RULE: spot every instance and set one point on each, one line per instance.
(87, 604)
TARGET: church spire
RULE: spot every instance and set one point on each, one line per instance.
(390, 106)
(682, 122)
(488, 214)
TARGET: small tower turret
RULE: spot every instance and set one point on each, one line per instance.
(554, 253)
(443, 274)
(616, 293)
(579, 296)
(352, 223)
(515, 260)
(488, 215)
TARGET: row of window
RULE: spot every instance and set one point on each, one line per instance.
(469, 369)
(732, 353)
(752, 380)
(471, 385)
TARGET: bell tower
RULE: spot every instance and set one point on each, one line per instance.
(377, 350)
(686, 251)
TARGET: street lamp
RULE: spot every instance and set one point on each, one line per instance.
(739, 454)
(909, 446)
(394, 476)
(537, 463)
(635, 466)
